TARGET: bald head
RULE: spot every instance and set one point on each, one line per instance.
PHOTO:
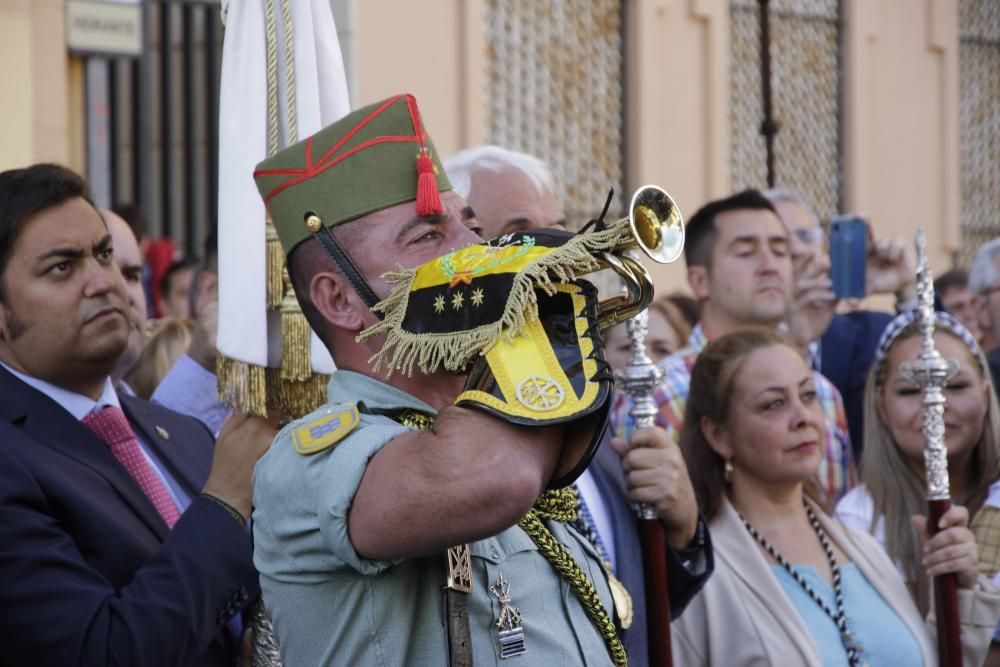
(129, 261)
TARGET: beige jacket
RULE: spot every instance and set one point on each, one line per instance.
(743, 617)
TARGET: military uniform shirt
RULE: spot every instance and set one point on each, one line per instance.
(332, 607)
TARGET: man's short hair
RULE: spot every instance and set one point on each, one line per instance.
(700, 232)
(25, 192)
(461, 165)
(175, 268)
(984, 272)
(953, 279)
(133, 217)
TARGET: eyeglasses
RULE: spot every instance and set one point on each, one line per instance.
(809, 235)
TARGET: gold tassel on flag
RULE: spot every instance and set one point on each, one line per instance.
(295, 399)
(241, 385)
(295, 363)
(275, 267)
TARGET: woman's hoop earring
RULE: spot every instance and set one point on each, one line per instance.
(727, 472)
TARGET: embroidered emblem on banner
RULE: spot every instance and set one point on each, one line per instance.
(324, 431)
(540, 393)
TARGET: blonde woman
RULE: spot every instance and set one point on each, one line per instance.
(169, 340)
(894, 484)
(793, 586)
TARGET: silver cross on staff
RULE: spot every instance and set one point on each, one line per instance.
(931, 372)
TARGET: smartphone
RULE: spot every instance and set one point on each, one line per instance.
(848, 256)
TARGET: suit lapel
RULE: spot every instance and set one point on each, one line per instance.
(51, 425)
(186, 461)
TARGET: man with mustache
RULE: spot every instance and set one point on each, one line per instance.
(740, 271)
(358, 503)
(122, 533)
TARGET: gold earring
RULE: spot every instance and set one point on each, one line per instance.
(728, 471)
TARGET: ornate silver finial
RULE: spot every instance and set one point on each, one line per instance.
(639, 380)
(930, 371)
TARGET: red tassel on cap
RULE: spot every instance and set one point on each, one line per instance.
(428, 199)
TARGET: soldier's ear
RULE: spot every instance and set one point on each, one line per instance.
(337, 301)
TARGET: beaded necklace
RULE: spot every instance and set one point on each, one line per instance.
(855, 651)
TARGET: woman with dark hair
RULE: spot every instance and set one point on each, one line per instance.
(791, 584)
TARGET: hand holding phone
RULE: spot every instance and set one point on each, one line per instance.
(848, 256)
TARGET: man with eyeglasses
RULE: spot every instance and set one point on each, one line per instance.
(841, 347)
(984, 282)
(952, 289)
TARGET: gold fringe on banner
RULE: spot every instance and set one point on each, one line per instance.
(275, 266)
(241, 385)
(295, 361)
(295, 399)
(428, 351)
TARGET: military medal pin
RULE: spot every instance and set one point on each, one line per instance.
(508, 621)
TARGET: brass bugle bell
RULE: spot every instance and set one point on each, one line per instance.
(658, 230)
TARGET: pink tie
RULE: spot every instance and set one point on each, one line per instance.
(111, 425)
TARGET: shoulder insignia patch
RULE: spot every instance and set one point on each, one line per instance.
(325, 431)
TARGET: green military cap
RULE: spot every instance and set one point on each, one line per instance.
(370, 159)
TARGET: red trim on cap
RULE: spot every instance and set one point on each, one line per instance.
(308, 174)
(325, 162)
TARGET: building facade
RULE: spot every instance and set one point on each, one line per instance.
(889, 107)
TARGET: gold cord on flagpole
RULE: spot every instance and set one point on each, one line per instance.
(290, 93)
(275, 255)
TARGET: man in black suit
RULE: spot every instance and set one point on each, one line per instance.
(122, 536)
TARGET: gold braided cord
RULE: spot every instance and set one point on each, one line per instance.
(286, 13)
(296, 364)
(275, 255)
(561, 505)
(555, 505)
(271, 50)
(558, 504)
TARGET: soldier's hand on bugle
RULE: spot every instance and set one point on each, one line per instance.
(656, 474)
